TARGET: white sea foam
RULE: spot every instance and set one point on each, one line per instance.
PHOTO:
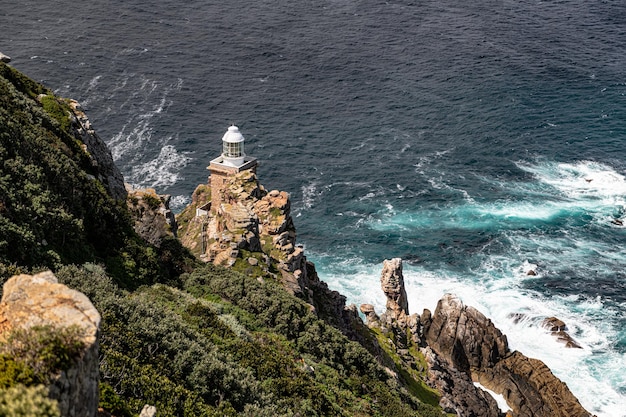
(592, 191)
(581, 180)
(162, 171)
(309, 194)
(502, 404)
(137, 136)
(178, 202)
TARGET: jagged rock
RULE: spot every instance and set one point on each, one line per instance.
(154, 220)
(425, 321)
(468, 341)
(530, 388)
(553, 324)
(39, 300)
(567, 340)
(370, 314)
(108, 173)
(5, 58)
(459, 395)
(559, 330)
(465, 337)
(392, 282)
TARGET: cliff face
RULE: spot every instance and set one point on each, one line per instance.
(40, 302)
(253, 232)
(153, 219)
(59, 188)
(99, 154)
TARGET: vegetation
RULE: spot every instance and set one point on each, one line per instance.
(52, 210)
(22, 401)
(36, 354)
(191, 340)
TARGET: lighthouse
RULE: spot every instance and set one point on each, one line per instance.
(232, 161)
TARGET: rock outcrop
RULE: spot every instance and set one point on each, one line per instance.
(5, 58)
(558, 328)
(464, 337)
(459, 394)
(463, 346)
(392, 283)
(39, 300)
(252, 231)
(154, 221)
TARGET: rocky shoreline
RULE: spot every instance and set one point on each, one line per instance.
(463, 347)
(252, 231)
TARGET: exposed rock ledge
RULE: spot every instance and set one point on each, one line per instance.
(39, 300)
(153, 218)
(461, 346)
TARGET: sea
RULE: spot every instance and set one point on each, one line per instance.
(476, 140)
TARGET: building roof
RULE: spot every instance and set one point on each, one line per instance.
(233, 135)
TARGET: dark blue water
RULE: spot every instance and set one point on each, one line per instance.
(477, 141)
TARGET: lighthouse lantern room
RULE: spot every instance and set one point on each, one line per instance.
(232, 147)
(232, 161)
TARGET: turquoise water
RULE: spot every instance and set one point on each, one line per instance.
(476, 141)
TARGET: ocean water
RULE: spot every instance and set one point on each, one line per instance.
(476, 141)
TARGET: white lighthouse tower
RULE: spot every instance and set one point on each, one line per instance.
(232, 161)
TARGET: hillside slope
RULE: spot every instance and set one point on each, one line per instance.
(191, 340)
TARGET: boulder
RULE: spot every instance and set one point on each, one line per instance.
(553, 324)
(5, 58)
(464, 337)
(148, 411)
(370, 314)
(39, 300)
(559, 330)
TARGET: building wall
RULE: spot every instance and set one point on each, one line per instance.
(218, 178)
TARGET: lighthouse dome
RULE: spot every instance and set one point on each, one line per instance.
(233, 135)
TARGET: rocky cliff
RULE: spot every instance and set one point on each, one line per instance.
(253, 232)
(99, 153)
(40, 302)
(463, 346)
(153, 218)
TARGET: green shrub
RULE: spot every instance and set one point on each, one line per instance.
(22, 401)
(152, 201)
(44, 349)
(14, 372)
(112, 402)
(58, 110)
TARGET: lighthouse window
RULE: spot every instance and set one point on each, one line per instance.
(233, 150)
